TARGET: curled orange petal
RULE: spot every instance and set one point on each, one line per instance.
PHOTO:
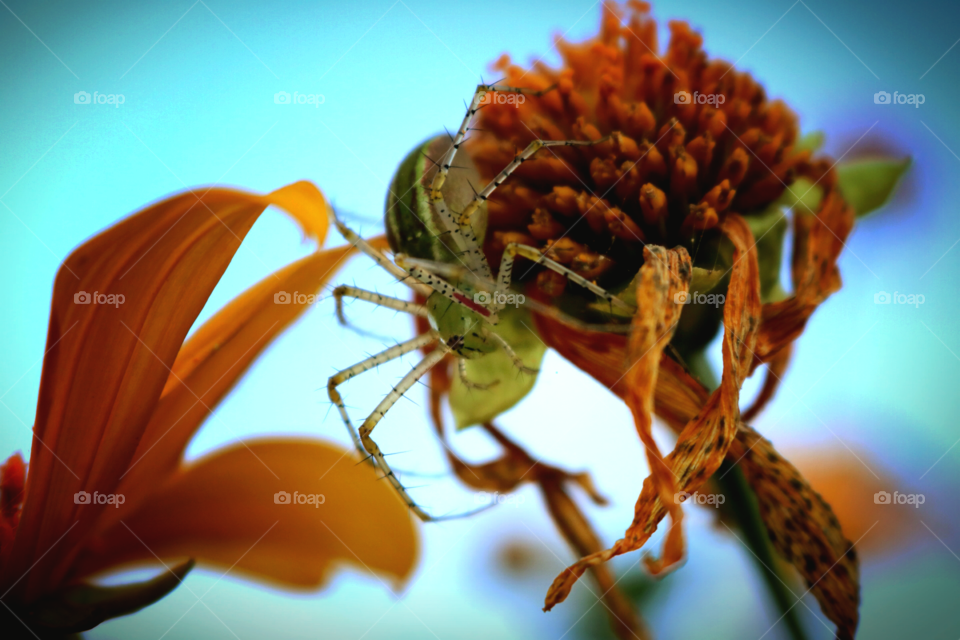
(704, 441)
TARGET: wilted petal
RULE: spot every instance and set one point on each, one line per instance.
(704, 441)
(818, 241)
(222, 511)
(665, 275)
(803, 529)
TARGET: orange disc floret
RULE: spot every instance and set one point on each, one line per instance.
(691, 140)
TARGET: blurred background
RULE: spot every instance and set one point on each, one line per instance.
(869, 402)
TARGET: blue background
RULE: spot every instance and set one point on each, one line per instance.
(199, 80)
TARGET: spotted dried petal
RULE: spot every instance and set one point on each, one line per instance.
(704, 441)
(803, 529)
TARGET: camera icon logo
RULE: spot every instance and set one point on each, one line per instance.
(681, 297)
(281, 97)
(482, 298)
(680, 496)
(881, 297)
(881, 97)
(82, 297)
(281, 497)
(81, 97)
(682, 97)
(881, 497)
(81, 497)
(282, 297)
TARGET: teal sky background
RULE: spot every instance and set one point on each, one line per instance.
(198, 80)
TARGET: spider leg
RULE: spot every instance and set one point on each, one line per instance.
(505, 276)
(389, 302)
(379, 257)
(455, 272)
(517, 362)
(462, 233)
(440, 285)
(374, 418)
(387, 355)
(462, 368)
(523, 156)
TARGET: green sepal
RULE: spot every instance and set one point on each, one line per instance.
(867, 185)
(83, 606)
(476, 406)
(769, 228)
(810, 142)
(802, 195)
(768, 231)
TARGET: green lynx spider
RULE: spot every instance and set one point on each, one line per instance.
(437, 254)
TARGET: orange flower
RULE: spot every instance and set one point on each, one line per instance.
(699, 160)
(122, 394)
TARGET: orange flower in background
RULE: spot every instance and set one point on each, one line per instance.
(121, 395)
(684, 198)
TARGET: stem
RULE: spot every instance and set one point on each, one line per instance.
(743, 506)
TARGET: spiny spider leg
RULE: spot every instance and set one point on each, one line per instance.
(463, 234)
(379, 257)
(387, 355)
(438, 284)
(469, 384)
(532, 148)
(370, 423)
(505, 275)
(517, 362)
(344, 291)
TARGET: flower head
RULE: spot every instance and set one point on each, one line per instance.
(687, 191)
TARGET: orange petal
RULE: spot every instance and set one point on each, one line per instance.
(776, 367)
(818, 242)
(704, 441)
(222, 510)
(665, 275)
(601, 355)
(211, 362)
(803, 529)
(106, 364)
